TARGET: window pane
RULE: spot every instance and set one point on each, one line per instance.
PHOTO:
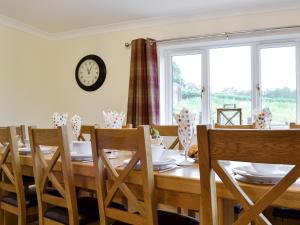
(186, 74)
(230, 81)
(278, 82)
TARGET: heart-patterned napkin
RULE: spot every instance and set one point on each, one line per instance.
(263, 119)
(59, 119)
(113, 119)
(185, 120)
(76, 122)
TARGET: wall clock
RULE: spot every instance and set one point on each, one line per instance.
(90, 73)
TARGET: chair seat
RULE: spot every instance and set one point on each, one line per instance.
(27, 180)
(30, 197)
(87, 210)
(170, 218)
(286, 213)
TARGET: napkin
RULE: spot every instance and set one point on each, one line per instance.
(76, 122)
(263, 119)
(59, 119)
(186, 121)
(113, 119)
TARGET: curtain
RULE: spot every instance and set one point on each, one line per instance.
(143, 96)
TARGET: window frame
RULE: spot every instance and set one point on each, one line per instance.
(297, 52)
(203, 47)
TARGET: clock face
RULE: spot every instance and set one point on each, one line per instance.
(90, 73)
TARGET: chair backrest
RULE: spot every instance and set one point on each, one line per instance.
(294, 126)
(246, 126)
(136, 140)
(269, 146)
(128, 125)
(87, 129)
(169, 131)
(55, 168)
(84, 130)
(21, 132)
(10, 167)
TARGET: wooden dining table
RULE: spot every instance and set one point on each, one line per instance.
(179, 187)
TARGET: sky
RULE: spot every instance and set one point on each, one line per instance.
(231, 67)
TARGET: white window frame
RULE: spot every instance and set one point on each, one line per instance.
(279, 45)
(167, 81)
(256, 43)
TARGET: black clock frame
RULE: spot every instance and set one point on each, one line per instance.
(102, 73)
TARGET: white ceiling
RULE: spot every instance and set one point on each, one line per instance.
(56, 16)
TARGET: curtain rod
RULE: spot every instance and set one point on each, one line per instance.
(224, 34)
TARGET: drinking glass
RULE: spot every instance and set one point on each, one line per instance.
(186, 138)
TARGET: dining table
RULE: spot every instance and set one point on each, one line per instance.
(177, 187)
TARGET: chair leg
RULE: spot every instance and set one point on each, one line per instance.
(220, 203)
(4, 217)
(21, 220)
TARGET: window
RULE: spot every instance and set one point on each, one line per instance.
(278, 83)
(250, 75)
(186, 83)
(230, 80)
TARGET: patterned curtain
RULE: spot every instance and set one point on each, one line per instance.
(143, 96)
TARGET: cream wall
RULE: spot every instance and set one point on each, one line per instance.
(110, 46)
(27, 93)
(50, 65)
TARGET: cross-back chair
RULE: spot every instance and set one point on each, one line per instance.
(57, 202)
(257, 146)
(285, 213)
(294, 126)
(237, 208)
(245, 126)
(21, 132)
(21, 136)
(84, 130)
(136, 140)
(16, 199)
(169, 131)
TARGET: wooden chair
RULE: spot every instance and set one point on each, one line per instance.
(169, 131)
(136, 140)
(21, 135)
(58, 204)
(85, 130)
(294, 126)
(237, 208)
(284, 213)
(17, 200)
(270, 146)
(246, 126)
(21, 132)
